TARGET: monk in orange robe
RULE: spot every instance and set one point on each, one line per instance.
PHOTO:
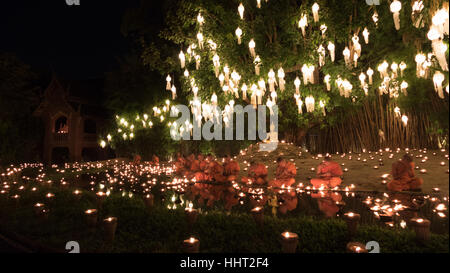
(328, 173)
(285, 174)
(404, 177)
(137, 159)
(231, 169)
(155, 160)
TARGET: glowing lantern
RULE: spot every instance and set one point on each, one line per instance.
(251, 46)
(366, 35)
(346, 54)
(375, 18)
(405, 120)
(315, 10)
(321, 51)
(258, 4)
(322, 105)
(200, 19)
(297, 85)
(239, 34)
(271, 80)
(404, 87)
(303, 23)
(244, 91)
(241, 10)
(174, 92)
(438, 79)
(200, 40)
(257, 65)
(168, 85)
(310, 103)
(420, 60)
(281, 80)
(216, 62)
(327, 82)
(182, 59)
(214, 99)
(362, 79)
(331, 48)
(402, 68)
(396, 6)
(323, 29)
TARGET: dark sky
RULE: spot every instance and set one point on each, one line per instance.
(74, 41)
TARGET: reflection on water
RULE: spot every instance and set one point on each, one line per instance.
(390, 211)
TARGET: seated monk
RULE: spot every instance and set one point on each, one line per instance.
(216, 170)
(155, 160)
(231, 169)
(137, 159)
(180, 165)
(328, 173)
(285, 174)
(404, 177)
(258, 173)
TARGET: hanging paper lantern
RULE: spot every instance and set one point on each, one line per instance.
(346, 54)
(168, 85)
(182, 59)
(396, 6)
(416, 15)
(404, 87)
(323, 29)
(322, 105)
(405, 120)
(402, 68)
(241, 10)
(257, 63)
(366, 35)
(239, 34)
(197, 62)
(331, 48)
(327, 82)
(362, 79)
(258, 4)
(281, 80)
(310, 104)
(370, 74)
(244, 91)
(174, 92)
(216, 62)
(200, 19)
(200, 40)
(315, 10)
(303, 23)
(297, 85)
(439, 48)
(375, 18)
(438, 79)
(221, 79)
(251, 46)
(271, 80)
(321, 51)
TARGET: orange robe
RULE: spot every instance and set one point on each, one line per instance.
(404, 177)
(232, 170)
(285, 175)
(329, 173)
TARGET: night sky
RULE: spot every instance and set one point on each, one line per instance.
(74, 41)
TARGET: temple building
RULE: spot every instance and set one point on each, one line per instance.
(73, 117)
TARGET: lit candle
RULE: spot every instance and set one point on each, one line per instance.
(149, 200)
(109, 229)
(191, 245)
(258, 215)
(355, 247)
(91, 217)
(289, 242)
(352, 219)
(422, 228)
(191, 216)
